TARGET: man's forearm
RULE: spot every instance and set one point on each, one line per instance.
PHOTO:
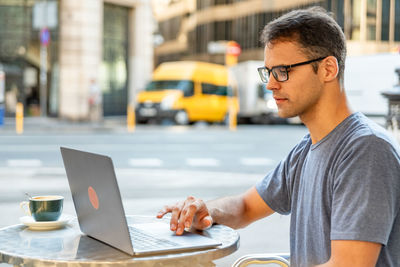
(228, 211)
(239, 211)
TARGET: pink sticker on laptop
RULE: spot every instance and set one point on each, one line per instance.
(94, 200)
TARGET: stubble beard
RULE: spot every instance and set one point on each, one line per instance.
(289, 112)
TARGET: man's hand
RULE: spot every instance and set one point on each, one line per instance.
(233, 211)
(192, 212)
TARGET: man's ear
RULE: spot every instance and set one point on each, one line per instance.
(330, 68)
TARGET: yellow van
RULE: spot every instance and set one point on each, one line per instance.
(188, 91)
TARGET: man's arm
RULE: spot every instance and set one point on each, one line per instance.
(239, 211)
(350, 253)
(236, 211)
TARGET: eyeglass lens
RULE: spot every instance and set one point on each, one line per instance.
(279, 73)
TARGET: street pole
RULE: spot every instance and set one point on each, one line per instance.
(232, 53)
(43, 80)
(19, 118)
(2, 94)
(130, 118)
(44, 42)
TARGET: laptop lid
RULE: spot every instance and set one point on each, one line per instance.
(97, 198)
(100, 211)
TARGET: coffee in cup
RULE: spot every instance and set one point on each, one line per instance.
(43, 208)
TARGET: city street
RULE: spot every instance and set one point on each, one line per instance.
(155, 165)
(157, 86)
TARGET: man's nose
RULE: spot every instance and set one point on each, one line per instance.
(272, 84)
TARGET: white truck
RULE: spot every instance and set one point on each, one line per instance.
(366, 77)
(257, 104)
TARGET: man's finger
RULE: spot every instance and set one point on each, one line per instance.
(186, 212)
(175, 216)
(165, 210)
(205, 223)
(191, 211)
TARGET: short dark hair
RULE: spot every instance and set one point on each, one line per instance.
(314, 29)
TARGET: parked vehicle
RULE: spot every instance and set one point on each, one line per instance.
(257, 104)
(187, 91)
(366, 77)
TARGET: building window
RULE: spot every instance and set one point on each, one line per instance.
(203, 4)
(222, 30)
(254, 32)
(204, 34)
(355, 19)
(219, 2)
(237, 32)
(192, 42)
(219, 30)
(385, 20)
(114, 77)
(337, 7)
(371, 19)
(397, 21)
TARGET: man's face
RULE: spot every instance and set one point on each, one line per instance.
(300, 94)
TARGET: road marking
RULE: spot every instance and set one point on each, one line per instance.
(146, 162)
(107, 148)
(202, 162)
(257, 161)
(24, 163)
(141, 178)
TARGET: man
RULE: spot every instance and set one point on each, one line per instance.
(341, 183)
(95, 101)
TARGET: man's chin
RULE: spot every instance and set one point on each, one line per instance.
(286, 114)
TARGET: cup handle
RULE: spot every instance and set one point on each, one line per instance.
(24, 205)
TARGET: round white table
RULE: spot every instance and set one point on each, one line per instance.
(68, 247)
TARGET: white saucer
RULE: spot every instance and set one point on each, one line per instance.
(46, 225)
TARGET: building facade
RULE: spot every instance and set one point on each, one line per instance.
(190, 27)
(93, 43)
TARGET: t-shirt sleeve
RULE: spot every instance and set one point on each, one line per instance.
(365, 191)
(276, 187)
(273, 189)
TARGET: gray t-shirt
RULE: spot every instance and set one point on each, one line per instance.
(345, 187)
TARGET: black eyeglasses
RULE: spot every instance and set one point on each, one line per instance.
(281, 72)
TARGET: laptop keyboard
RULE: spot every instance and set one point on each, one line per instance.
(143, 241)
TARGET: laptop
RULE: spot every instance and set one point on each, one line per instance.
(101, 215)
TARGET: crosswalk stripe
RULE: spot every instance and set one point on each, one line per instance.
(202, 162)
(146, 162)
(257, 161)
(156, 162)
(24, 163)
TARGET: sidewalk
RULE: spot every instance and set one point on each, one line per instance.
(112, 124)
(50, 124)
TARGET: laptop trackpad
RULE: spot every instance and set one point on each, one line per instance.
(162, 230)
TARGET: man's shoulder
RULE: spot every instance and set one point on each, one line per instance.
(361, 130)
(365, 145)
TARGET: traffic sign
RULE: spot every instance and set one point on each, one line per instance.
(233, 49)
(44, 14)
(45, 36)
(2, 85)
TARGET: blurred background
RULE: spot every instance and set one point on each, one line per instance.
(85, 60)
(155, 85)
